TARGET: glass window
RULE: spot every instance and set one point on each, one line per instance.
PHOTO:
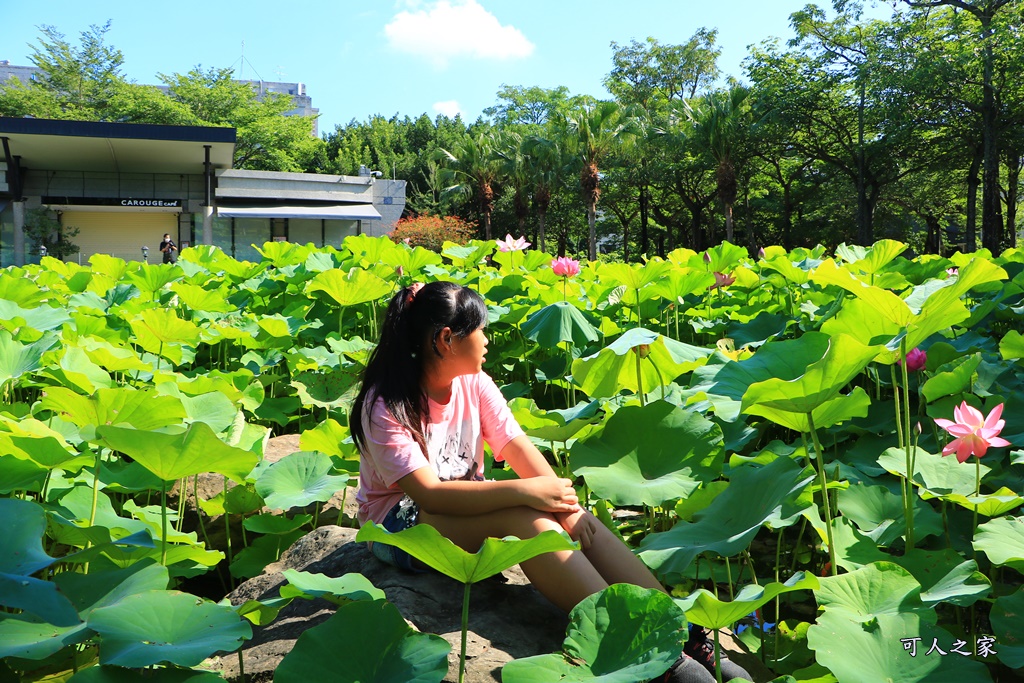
(336, 231)
(6, 235)
(250, 232)
(305, 230)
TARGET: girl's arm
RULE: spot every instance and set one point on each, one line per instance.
(528, 462)
(546, 493)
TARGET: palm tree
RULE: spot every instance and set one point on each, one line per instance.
(473, 170)
(720, 120)
(596, 131)
(514, 167)
(546, 163)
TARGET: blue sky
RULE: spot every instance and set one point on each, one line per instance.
(401, 57)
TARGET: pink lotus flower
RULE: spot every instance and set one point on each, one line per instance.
(760, 253)
(509, 244)
(722, 280)
(952, 272)
(916, 360)
(975, 433)
(565, 266)
(707, 257)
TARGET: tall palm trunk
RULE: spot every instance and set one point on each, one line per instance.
(727, 190)
(486, 207)
(589, 184)
(542, 199)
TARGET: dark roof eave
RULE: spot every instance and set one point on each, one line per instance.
(128, 131)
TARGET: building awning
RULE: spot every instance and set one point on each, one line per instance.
(345, 212)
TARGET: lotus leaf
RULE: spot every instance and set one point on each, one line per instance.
(614, 367)
(945, 576)
(173, 456)
(298, 480)
(355, 287)
(732, 519)
(559, 322)
(679, 451)
(703, 608)
(1002, 541)
(427, 545)
(159, 626)
(116, 674)
(622, 634)
(1008, 626)
(365, 642)
(339, 590)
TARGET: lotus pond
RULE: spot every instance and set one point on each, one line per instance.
(767, 434)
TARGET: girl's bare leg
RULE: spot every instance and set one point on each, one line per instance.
(616, 563)
(565, 578)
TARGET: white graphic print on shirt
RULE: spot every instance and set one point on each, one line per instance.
(453, 452)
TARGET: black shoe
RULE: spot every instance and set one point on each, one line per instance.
(685, 670)
(702, 649)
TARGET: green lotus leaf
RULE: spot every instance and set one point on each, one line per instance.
(722, 257)
(254, 558)
(151, 278)
(1011, 346)
(113, 358)
(870, 259)
(21, 291)
(328, 437)
(162, 326)
(30, 638)
(427, 545)
(414, 260)
(159, 626)
(559, 322)
(213, 407)
(299, 479)
(876, 589)
(1007, 619)
(835, 410)
(116, 674)
(356, 287)
(786, 268)
(1002, 541)
(327, 389)
(172, 456)
(199, 298)
(621, 634)
(614, 367)
(934, 474)
(77, 370)
(140, 408)
(339, 590)
(282, 254)
(679, 451)
(879, 514)
(995, 504)
(23, 523)
(818, 383)
(703, 608)
(365, 641)
(678, 283)
(854, 550)
(945, 576)
(17, 359)
(33, 441)
(761, 328)
(883, 302)
(725, 384)
(19, 474)
(275, 524)
(686, 508)
(469, 255)
(859, 652)
(556, 425)
(732, 519)
(952, 379)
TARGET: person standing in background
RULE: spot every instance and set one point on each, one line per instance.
(169, 249)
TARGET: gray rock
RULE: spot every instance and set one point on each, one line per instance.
(508, 618)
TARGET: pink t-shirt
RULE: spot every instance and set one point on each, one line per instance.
(455, 436)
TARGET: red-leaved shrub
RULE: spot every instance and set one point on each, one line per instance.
(431, 232)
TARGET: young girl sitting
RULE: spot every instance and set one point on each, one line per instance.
(420, 421)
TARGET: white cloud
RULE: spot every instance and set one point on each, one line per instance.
(449, 108)
(448, 29)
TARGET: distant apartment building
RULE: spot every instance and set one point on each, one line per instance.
(302, 103)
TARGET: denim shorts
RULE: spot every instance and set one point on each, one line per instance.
(404, 515)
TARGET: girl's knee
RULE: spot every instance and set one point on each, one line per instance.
(525, 522)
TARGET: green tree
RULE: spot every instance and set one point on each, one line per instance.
(594, 132)
(472, 170)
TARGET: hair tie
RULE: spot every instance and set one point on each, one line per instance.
(414, 289)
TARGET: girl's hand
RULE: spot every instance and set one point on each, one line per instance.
(551, 494)
(580, 526)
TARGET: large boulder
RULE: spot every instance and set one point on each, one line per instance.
(508, 618)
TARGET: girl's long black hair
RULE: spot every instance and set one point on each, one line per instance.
(412, 325)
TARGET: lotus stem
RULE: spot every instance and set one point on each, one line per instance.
(907, 447)
(819, 459)
(778, 557)
(728, 577)
(640, 378)
(718, 657)
(163, 522)
(465, 628)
